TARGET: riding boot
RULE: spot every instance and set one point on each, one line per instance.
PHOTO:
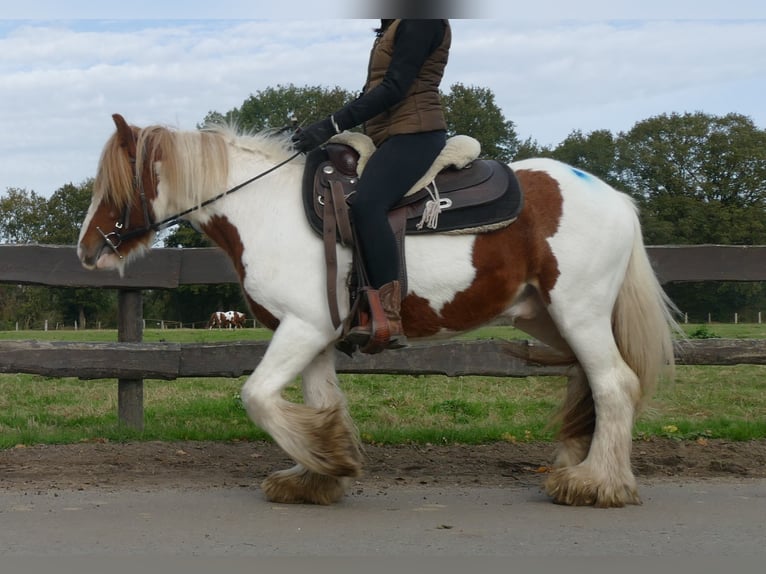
(382, 330)
(391, 299)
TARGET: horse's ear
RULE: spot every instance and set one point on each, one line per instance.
(126, 135)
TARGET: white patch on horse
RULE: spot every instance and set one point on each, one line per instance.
(429, 257)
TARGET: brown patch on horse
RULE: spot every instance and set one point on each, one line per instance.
(115, 186)
(504, 260)
(226, 236)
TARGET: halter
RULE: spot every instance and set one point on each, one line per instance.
(115, 238)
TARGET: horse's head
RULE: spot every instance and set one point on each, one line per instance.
(119, 223)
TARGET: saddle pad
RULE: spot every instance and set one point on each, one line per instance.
(481, 206)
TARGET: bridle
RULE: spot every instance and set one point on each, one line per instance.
(114, 238)
(119, 234)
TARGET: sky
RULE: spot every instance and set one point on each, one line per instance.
(65, 67)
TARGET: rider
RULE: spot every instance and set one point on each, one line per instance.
(401, 110)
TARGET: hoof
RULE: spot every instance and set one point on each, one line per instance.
(301, 486)
(576, 486)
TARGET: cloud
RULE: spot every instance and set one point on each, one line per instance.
(62, 80)
(575, 74)
(310, 9)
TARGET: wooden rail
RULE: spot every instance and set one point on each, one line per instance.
(131, 361)
(492, 358)
(58, 266)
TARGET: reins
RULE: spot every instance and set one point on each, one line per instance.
(175, 219)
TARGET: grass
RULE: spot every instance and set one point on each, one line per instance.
(150, 335)
(716, 402)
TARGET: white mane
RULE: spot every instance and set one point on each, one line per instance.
(194, 165)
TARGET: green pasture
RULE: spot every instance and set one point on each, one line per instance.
(703, 402)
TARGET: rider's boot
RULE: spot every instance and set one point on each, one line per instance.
(381, 327)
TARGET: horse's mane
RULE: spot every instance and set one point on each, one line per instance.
(194, 164)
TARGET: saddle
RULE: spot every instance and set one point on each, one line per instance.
(460, 194)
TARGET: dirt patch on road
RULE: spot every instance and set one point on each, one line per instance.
(149, 465)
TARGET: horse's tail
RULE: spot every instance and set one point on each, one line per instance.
(644, 320)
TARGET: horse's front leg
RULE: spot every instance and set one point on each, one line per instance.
(319, 435)
(300, 484)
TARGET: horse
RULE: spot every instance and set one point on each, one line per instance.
(237, 319)
(218, 320)
(572, 271)
(227, 319)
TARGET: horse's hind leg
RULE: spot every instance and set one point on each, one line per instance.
(578, 420)
(603, 477)
(299, 484)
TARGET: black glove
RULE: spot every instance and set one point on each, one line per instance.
(311, 137)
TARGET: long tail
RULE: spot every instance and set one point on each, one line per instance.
(644, 321)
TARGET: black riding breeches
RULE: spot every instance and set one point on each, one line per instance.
(390, 173)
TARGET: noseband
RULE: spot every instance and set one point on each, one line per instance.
(120, 233)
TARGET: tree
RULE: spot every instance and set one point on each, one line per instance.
(191, 303)
(468, 110)
(472, 111)
(274, 108)
(594, 152)
(20, 220)
(699, 178)
(26, 217)
(529, 148)
(64, 213)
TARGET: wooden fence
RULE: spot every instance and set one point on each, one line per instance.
(130, 361)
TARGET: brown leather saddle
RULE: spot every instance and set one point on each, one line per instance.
(483, 196)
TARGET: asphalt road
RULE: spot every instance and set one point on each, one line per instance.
(677, 519)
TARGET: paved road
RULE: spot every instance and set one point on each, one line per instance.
(690, 519)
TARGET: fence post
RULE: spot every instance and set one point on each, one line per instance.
(130, 392)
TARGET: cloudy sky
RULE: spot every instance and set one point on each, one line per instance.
(65, 67)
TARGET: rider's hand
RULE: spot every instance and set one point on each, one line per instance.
(311, 137)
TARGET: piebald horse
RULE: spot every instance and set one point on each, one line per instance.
(572, 271)
(227, 320)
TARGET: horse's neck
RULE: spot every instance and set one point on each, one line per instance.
(267, 203)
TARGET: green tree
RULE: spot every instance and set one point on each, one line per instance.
(20, 216)
(530, 148)
(64, 213)
(191, 304)
(699, 178)
(472, 111)
(26, 217)
(595, 152)
(468, 110)
(274, 107)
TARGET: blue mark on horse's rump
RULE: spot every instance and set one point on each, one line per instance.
(581, 174)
